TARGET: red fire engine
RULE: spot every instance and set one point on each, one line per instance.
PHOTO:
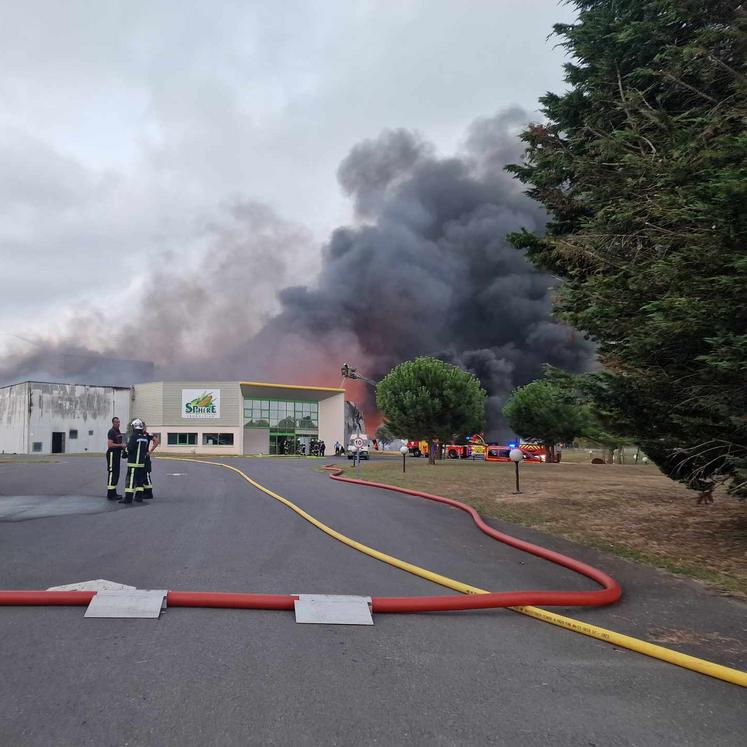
(458, 451)
(477, 447)
(532, 452)
(418, 448)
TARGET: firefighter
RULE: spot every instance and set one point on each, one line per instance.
(152, 446)
(137, 450)
(114, 451)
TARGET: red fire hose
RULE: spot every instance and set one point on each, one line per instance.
(607, 595)
(475, 598)
(610, 592)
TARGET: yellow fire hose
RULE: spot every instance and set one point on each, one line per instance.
(702, 666)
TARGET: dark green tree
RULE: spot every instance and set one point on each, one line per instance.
(427, 399)
(604, 425)
(642, 166)
(546, 412)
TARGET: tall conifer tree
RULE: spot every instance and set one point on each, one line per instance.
(642, 166)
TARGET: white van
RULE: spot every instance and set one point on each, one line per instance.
(363, 451)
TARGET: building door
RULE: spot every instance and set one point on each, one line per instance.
(283, 443)
(58, 443)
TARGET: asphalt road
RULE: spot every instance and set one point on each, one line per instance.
(206, 676)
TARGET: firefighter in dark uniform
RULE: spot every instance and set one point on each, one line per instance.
(152, 446)
(137, 450)
(115, 449)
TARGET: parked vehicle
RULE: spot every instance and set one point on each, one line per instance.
(531, 452)
(540, 451)
(418, 448)
(363, 450)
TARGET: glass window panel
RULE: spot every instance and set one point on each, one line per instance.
(181, 439)
(217, 439)
(287, 423)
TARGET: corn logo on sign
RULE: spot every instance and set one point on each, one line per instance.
(200, 403)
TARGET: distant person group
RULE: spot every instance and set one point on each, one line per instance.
(299, 448)
(137, 451)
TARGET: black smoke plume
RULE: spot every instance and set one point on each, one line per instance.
(424, 270)
(428, 271)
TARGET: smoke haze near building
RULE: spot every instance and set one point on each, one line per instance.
(424, 269)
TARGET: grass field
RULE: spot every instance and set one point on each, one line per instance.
(627, 510)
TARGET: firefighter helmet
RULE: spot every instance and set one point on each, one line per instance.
(138, 425)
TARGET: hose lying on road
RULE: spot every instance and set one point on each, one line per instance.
(476, 599)
(702, 666)
(611, 589)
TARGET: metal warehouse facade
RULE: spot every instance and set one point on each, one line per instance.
(191, 417)
(46, 418)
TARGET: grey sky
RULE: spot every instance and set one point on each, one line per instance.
(130, 130)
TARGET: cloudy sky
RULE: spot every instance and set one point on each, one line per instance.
(130, 131)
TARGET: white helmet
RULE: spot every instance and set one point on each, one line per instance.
(138, 425)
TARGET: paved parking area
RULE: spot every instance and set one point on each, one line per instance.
(207, 676)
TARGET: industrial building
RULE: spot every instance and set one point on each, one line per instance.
(47, 418)
(190, 417)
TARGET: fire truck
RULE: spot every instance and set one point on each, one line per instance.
(492, 452)
(539, 451)
(475, 447)
(532, 452)
(417, 448)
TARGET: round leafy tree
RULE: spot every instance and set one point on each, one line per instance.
(546, 412)
(427, 399)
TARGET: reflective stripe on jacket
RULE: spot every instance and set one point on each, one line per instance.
(137, 448)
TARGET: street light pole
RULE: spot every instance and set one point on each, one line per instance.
(403, 450)
(516, 455)
(354, 449)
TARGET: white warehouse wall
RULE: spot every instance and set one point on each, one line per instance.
(14, 403)
(66, 407)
